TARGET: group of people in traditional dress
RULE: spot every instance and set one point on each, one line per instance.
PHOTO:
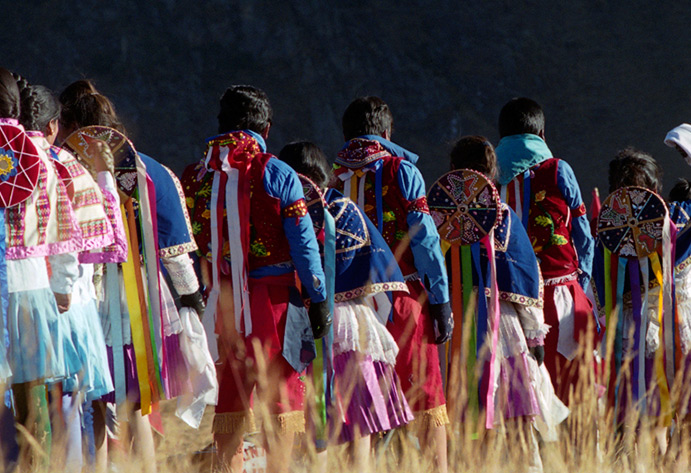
(335, 301)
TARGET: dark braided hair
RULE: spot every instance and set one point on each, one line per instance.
(477, 153)
(9, 95)
(39, 107)
(96, 109)
(68, 97)
(307, 159)
(681, 192)
(632, 167)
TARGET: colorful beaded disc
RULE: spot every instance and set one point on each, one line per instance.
(315, 202)
(464, 205)
(124, 154)
(19, 165)
(630, 222)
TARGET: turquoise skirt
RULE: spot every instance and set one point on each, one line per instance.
(37, 338)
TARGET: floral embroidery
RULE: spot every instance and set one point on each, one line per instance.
(419, 205)
(558, 239)
(205, 190)
(389, 216)
(400, 235)
(540, 196)
(258, 249)
(196, 228)
(190, 202)
(297, 209)
(543, 221)
(8, 164)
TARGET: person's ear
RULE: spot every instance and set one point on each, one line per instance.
(265, 133)
(541, 134)
(387, 134)
(51, 130)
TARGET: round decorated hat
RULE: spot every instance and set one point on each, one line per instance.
(631, 221)
(315, 202)
(464, 205)
(124, 154)
(19, 165)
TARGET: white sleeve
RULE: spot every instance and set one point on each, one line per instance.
(181, 271)
(106, 182)
(64, 272)
(532, 321)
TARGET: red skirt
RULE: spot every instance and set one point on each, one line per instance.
(417, 363)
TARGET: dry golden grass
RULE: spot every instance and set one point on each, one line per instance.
(588, 442)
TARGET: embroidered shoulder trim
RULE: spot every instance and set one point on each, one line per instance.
(371, 289)
(297, 209)
(183, 204)
(519, 299)
(177, 250)
(681, 266)
(580, 211)
(419, 205)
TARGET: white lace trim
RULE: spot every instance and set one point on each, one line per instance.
(356, 328)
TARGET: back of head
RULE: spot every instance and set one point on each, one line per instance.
(521, 116)
(9, 95)
(477, 153)
(367, 116)
(39, 107)
(632, 167)
(95, 109)
(77, 90)
(244, 107)
(307, 159)
(681, 192)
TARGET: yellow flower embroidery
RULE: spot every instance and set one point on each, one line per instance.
(540, 196)
(543, 221)
(558, 240)
(190, 202)
(206, 214)
(389, 216)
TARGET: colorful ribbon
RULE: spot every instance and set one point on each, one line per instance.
(115, 316)
(494, 315)
(136, 306)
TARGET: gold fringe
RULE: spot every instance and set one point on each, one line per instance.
(435, 417)
(290, 422)
(232, 422)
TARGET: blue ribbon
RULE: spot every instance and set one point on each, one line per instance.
(330, 273)
(526, 198)
(481, 298)
(619, 336)
(378, 193)
(115, 315)
(4, 301)
(638, 371)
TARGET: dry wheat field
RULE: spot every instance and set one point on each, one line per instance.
(588, 441)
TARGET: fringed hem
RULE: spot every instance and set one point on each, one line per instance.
(435, 417)
(232, 422)
(290, 422)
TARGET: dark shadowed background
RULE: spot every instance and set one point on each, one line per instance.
(609, 74)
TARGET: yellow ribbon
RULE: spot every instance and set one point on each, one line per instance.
(135, 310)
(660, 375)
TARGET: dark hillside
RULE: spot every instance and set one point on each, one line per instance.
(609, 74)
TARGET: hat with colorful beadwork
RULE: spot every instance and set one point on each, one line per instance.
(124, 155)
